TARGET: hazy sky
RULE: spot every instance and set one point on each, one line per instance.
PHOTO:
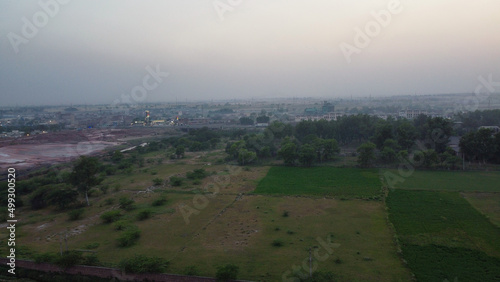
(94, 51)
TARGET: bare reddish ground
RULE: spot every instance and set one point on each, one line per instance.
(63, 146)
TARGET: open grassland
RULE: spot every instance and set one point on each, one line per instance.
(267, 236)
(321, 181)
(443, 236)
(467, 181)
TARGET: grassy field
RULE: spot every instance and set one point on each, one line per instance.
(468, 181)
(438, 229)
(229, 227)
(321, 181)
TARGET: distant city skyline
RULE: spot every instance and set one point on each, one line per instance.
(55, 52)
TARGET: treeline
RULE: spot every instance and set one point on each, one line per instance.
(311, 142)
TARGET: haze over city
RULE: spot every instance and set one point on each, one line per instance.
(95, 51)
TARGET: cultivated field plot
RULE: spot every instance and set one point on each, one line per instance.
(487, 203)
(452, 181)
(444, 237)
(321, 181)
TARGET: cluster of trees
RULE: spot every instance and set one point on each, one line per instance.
(481, 145)
(318, 141)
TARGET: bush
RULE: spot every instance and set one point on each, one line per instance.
(143, 264)
(109, 201)
(144, 214)
(278, 243)
(227, 272)
(110, 216)
(191, 270)
(176, 181)
(126, 203)
(69, 259)
(45, 257)
(159, 202)
(76, 214)
(91, 260)
(92, 246)
(121, 224)
(285, 213)
(157, 181)
(197, 174)
(129, 236)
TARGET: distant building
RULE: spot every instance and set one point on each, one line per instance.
(411, 114)
(327, 107)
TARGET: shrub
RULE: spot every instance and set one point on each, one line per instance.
(159, 202)
(109, 201)
(143, 264)
(176, 181)
(91, 260)
(157, 181)
(104, 188)
(95, 192)
(45, 257)
(129, 236)
(278, 243)
(126, 203)
(76, 214)
(191, 270)
(144, 214)
(197, 174)
(227, 272)
(92, 246)
(110, 216)
(121, 224)
(69, 259)
(285, 213)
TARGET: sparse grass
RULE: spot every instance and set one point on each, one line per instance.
(328, 181)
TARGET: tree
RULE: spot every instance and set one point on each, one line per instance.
(117, 156)
(288, 152)
(83, 175)
(478, 145)
(246, 121)
(405, 135)
(62, 196)
(262, 119)
(388, 155)
(179, 151)
(307, 155)
(366, 154)
(246, 157)
(383, 131)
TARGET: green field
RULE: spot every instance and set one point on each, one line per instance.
(443, 236)
(322, 181)
(469, 181)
